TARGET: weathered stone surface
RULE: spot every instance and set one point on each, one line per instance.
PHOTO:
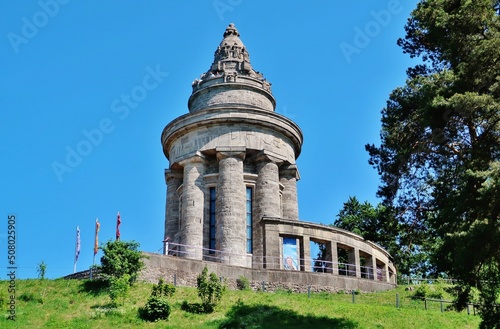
(230, 206)
(288, 178)
(186, 271)
(267, 204)
(231, 80)
(173, 178)
(191, 219)
(256, 130)
(232, 139)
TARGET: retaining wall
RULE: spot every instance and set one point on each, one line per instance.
(186, 271)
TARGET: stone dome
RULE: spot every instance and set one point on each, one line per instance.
(231, 79)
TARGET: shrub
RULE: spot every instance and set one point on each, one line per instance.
(437, 291)
(163, 289)
(120, 258)
(157, 306)
(210, 290)
(41, 268)
(421, 291)
(242, 283)
(118, 289)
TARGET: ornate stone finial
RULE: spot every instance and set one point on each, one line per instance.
(231, 65)
(231, 60)
(231, 30)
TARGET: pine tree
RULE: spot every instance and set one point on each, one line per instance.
(439, 157)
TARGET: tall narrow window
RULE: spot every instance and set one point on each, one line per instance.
(249, 219)
(212, 221)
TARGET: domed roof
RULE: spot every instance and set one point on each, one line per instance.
(231, 70)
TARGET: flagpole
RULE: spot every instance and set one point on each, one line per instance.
(95, 246)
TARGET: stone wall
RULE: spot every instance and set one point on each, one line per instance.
(83, 275)
(186, 271)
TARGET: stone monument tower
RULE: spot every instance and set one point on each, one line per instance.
(231, 163)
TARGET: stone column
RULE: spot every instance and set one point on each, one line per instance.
(272, 247)
(192, 207)
(230, 208)
(305, 255)
(288, 178)
(374, 267)
(173, 179)
(332, 253)
(267, 202)
(354, 268)
(385, 271)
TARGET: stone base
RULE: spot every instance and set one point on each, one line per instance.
(186, 271)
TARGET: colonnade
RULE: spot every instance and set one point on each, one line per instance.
(274, 195)
(376, 260)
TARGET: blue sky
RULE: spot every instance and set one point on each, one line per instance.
(67, 67)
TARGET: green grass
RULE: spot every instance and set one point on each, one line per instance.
(71, 304)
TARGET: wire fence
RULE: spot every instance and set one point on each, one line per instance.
(406, 299)
(391, 299)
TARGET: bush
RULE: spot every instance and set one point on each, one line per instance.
(437, 291)
(163, 289)
(120, 258)
(421, 291)
(118, 289)
(41, 269)
(210, 290)
(157, 306)
(242, 283)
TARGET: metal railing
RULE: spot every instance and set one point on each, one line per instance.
(270, 262)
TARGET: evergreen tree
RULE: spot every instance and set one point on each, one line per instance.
(439, 157)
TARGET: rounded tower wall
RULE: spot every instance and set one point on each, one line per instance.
(205, 139)
(232, 162)
(255, 129)
(240, 94)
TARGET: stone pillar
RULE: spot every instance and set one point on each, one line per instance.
(267, 202)
(230, 233)
(305, 254)
(354, 267)
(272, 248)
(385, 271)
(332, 256)
(192, 207)
(288, 178)
(173, 179)
(374, 267)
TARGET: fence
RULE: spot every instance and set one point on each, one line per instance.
(304, 264)
(417, 280)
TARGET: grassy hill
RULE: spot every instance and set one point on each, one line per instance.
(67, 304)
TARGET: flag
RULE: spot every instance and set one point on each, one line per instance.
(77, 253)
(96, 241)
(77, 248)
(118, 222)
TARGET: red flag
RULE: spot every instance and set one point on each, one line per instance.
(118, 222)
(96, 241)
